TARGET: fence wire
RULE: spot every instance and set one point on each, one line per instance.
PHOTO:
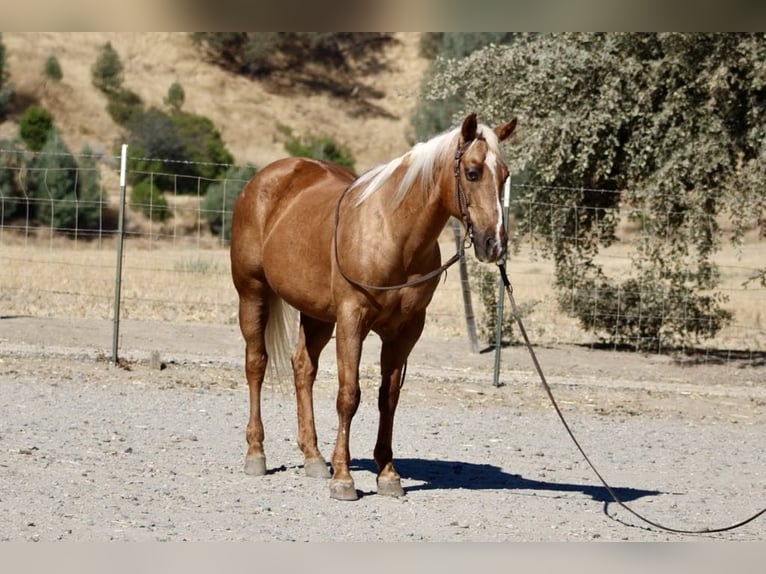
(58, 229)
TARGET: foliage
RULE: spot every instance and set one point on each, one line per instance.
(35, 126)
(149, 200)
(670, 125)
(184, 151)
(12, 200)
(319, 147)
(6, 88)
(107, 70)
(337, 63)
(219, 199)
(124, 105)
(176, 96)
(52, 69)
(65, 196)
(431, 117)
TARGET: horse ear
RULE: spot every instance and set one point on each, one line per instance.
(504, 131)
(469, 128)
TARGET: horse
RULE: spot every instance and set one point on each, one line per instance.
(355, 255)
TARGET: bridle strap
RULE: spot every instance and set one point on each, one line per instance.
(462, 204)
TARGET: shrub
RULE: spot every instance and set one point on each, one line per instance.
(319, 147)
(52, 69)
(124, 106)
(219, 199)
(176, 96)
(12, 199)
(66, 197)
(149, 200)
(35, 126)
(6, 88)
(106, 73)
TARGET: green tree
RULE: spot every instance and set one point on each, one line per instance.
(6, 88)
(671, 126)
(176, 96)
(220, 196)
(35, 126)
(431, 117)
(318, 147)
(12, 200)
(107, 70)
(52, 69)
(64, 196)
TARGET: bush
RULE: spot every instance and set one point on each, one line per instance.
(149, 200)
(181, 149)
(52, 69)
(319, 147)
(6, 88)
(219, 199)
(12, 199)
(106, 73)
(646, 313)
(65, 196)
(176, 96)
(124, 106)
(35, 126)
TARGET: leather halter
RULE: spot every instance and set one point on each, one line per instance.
(462, 203)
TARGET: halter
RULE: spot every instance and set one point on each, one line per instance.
(460, 197)
(462, 203)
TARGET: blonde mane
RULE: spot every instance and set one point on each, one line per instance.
(420, 164)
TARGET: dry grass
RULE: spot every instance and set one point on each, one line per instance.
(189, 281)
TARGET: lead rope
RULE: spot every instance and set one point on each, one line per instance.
(610, 490)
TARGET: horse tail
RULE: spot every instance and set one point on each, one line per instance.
(280, 335)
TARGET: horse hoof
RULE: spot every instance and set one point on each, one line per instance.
(255, 465)
(343, 490)
(390, 487)
(316, 468)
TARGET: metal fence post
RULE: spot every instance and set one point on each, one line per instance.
(501, 289)
(118, 271)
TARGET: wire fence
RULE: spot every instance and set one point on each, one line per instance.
(59, 236)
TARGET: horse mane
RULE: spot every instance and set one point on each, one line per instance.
(420, 162)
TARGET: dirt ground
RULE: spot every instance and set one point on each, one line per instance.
(153, 449)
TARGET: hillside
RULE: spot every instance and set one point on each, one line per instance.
(245, 112)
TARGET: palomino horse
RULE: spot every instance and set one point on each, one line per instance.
(310, 234)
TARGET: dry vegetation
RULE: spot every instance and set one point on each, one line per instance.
(187, 278)
(244, 111)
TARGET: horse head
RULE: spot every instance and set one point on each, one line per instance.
(479, 176)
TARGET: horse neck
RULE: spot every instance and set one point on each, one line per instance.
(424, 213)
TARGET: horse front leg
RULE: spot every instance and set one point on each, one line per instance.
(349, 339)
(313, 337)
(393, 357)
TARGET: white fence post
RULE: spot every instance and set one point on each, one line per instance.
(120, 238)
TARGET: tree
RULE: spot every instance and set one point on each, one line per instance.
(671, 126)
(219, 199)
(52, 69)
(107, 71)
(12, 199)
(6, 88)
(35, 126)
(176, 96)
(64, 196)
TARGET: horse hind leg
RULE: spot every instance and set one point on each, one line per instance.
(312, 338)
(253, 316)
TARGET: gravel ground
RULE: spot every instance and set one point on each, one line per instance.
(90, 451)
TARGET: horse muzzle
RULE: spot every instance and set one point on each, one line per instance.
(490, 247)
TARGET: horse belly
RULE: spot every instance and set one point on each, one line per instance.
(296, 262)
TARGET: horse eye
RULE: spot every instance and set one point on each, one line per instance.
(472, 174)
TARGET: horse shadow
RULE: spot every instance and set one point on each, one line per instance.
(447, 475)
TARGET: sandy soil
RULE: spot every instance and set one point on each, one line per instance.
(153, 450)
